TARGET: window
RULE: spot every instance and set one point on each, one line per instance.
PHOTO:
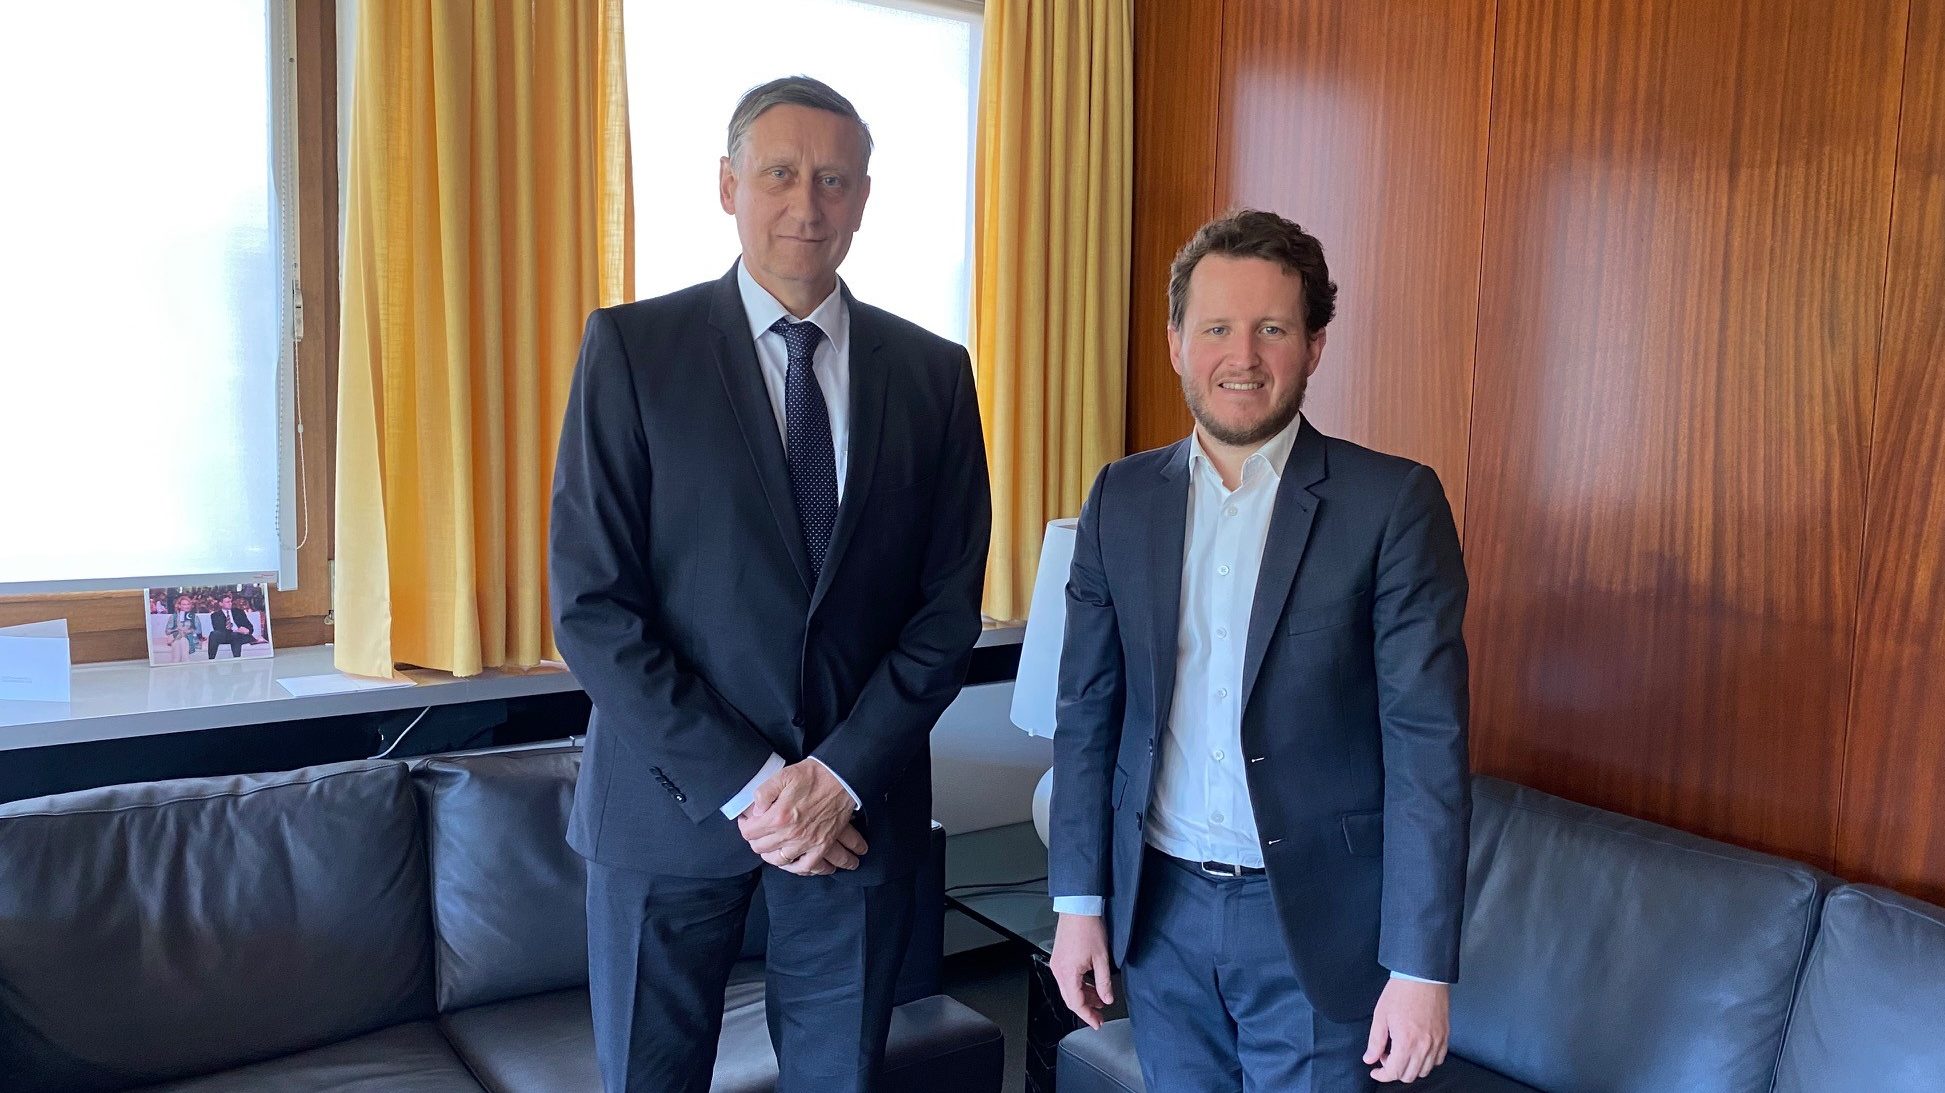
(146, 326)
(911, 68)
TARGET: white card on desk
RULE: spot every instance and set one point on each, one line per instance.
(34, 662)
(333, 683)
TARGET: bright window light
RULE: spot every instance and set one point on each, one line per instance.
(911, 69)
(142, 325)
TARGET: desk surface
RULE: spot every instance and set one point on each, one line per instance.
(999, 878)
(129, 698)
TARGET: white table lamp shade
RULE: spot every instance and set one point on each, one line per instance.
(1037, 681)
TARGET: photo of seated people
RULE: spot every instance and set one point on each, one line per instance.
(197, 625)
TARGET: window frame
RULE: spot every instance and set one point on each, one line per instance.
(106, 626)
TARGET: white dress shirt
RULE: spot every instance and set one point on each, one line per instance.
(830, 364)
(1199, 806)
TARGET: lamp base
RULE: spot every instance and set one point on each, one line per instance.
(1043, 798)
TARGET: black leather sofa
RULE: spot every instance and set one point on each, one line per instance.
(366, 926)
(1604, 954)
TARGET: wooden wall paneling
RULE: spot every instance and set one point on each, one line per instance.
(1685, 241)
(1892, 825)
(1366, 123)
(1178, 53)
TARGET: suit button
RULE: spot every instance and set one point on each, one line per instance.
(1137, 819)
(656, 771)
(796, 721)
(679, 798)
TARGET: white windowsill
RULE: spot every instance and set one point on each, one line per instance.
(128, 698)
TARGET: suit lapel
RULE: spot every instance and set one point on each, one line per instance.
(1290, 520)
(1168, 524)
(743, 381)
(870, 370)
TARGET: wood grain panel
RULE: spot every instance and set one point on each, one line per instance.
(1178, 50)
(1892, 826)
(1366, 123)
(1685, 241)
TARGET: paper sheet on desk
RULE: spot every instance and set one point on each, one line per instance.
(34, 661)
(333, 683)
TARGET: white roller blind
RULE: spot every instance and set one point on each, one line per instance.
(144, 326)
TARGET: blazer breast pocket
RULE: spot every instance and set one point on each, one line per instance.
(1323, 616)
(1364, 833)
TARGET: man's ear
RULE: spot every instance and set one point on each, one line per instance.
(726, 186)
(1175, 348)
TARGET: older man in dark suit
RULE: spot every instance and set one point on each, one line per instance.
(1260, 788)
(769, 538)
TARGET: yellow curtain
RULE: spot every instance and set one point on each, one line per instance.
(487, 212)
(1050, 282)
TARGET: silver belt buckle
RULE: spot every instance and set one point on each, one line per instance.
(1223, 869)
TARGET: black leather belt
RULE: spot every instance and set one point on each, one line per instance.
(1224, 869)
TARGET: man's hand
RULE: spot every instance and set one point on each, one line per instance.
(801, 821)
(1409, 1030)
(1080, 966)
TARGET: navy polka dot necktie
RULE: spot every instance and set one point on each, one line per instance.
(807, 448)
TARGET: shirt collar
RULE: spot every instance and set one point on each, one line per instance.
(1274, 455)
(763, 310)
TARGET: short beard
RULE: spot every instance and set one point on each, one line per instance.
(1272, 423)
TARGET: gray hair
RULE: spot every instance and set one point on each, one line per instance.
(791, 91)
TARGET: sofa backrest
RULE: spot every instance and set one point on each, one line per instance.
(509, 896)
(1871, 1009)
(167, 929)
(1607, 953)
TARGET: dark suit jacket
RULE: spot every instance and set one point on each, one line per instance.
(682, 598)
(237, 619)
(1354, 708)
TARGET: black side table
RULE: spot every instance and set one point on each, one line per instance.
(998, 878)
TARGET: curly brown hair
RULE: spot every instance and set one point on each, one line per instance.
(1252, 233)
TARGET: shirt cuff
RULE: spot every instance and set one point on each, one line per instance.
(1416, 979)
(741, 801)
(1080, 905)
(857, 802)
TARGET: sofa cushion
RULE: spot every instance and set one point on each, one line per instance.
(410, 1058)
(499, 814)
(1099, 1060)
(546, 1041)
(1607, 953)
(167, 929)
(1872, 1004)
(545, 1044)
(492, 819)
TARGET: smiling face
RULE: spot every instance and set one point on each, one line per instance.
(797, 188)
(1241, 349)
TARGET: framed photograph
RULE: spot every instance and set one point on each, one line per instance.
(203, 624)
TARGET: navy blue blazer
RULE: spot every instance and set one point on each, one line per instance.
(1354, 708)
(682, 597)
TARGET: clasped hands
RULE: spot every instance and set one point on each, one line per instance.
(800, 822)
